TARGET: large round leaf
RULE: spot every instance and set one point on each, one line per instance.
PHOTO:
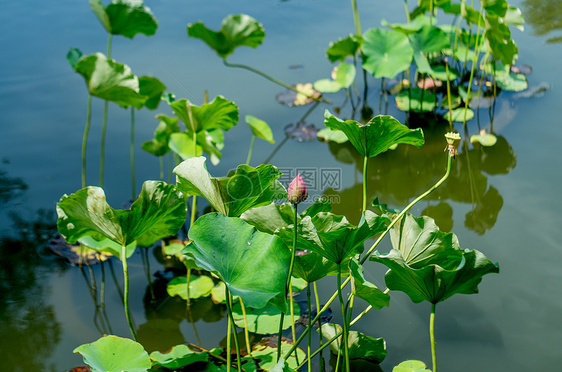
(236, 30)
(247, 188)
(115, 354)
(160, 211)
(386, 53)
(377, 135)
(125, 17)
(109, 80)
(254, 265)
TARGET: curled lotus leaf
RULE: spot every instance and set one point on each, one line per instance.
(125, 17)
(360, 346)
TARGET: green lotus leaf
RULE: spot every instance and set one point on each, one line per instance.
(412, 27)
(247, 188)
(459, 114)
(327, 86)
(343, 48)
(485, 139)
(366, 290)
(159, 144)
(182, 144)
(332, 236)
(498, 37)
(313, 267)
(428, 264)
(107, 246)
(430, 39)
(495, 7)
(260, 128)
(360, 346)
(242, 257)
(159, 211)
(153, 89)
(263, 321)
(386, 53)
(514, 17)
(199, 286)
(220, 113)
(439, 72)
(236, 30)
(109, 80)
(266, 352)
(115, 354)
(411, 366)
(455, 102)
(345, 74)
(416, 100)
(377, 135)
(178, 357)
(73, 56)
(328, 134)
(125, 17)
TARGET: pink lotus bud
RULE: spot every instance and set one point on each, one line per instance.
(297, 192)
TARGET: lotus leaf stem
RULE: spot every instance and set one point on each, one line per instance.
(85, 139)
(344, 322)
(250, 151)
(365, 160)
(246, 334)
(132, 150)
(231, 322)
(432, 337)
(126, 292)
(103, 137)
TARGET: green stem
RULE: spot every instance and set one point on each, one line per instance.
(228, 336)
(407, 10)
(103, 136)
(449, 95)
(109, 41)
(365, 160)
(272, 79)
(432, 337)
(246, 334)
(308, 349)
(356, 19)
(344, 321)
(250, 151)
(322, 367)
(126, 291)
(231, 320)
(133, 190)
(161, 162)
(85, 139)
(473, 67)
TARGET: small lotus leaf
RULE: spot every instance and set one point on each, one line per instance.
(177, 358)
(115, 354)
(182, 144)
(386, 53)
(343, 48)
(260, 128)
(153, 89)
(327, 86)
(313, 267)
(415, 100)
(125, 17)
(412, 27)
(266, 352)
(236, 30)
(439, 72)
(328, 134)
(247, 188)
(73, 56)
(109, 80)
(411, 366)
(495, 7)
(366, 290)
(485, 139)
(159, 144)
(242, 257)
(455, 102)
(220, 113)
(345, 74)
(263, 321)
(514, 17)
(360, 346)
(377, 135)
(460, 114)
(199, 286)
(498, 37)
(160, 211)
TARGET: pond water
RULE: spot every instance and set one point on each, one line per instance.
(503, 200)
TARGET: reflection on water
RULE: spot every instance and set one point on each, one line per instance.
(396, 177)
(545, 16)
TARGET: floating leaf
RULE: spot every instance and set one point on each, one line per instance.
(460, 114)
(109, 80)
(455, 102)
(263, 321)
(160, 211)
(266, 352)
(428, 264)
(416, 101)
(339, 50)
(327, 86)
(242, 257)
(360, 346)
(115, 354)
(247, 188)
(125, 17)
(302, 132)
(485, 139)
(236, 30)
(199, 286)
(386, 53)
(260, 128)
(366, 290)
(178, 357)
(304, 95)
(411, 366)
(377, 135)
